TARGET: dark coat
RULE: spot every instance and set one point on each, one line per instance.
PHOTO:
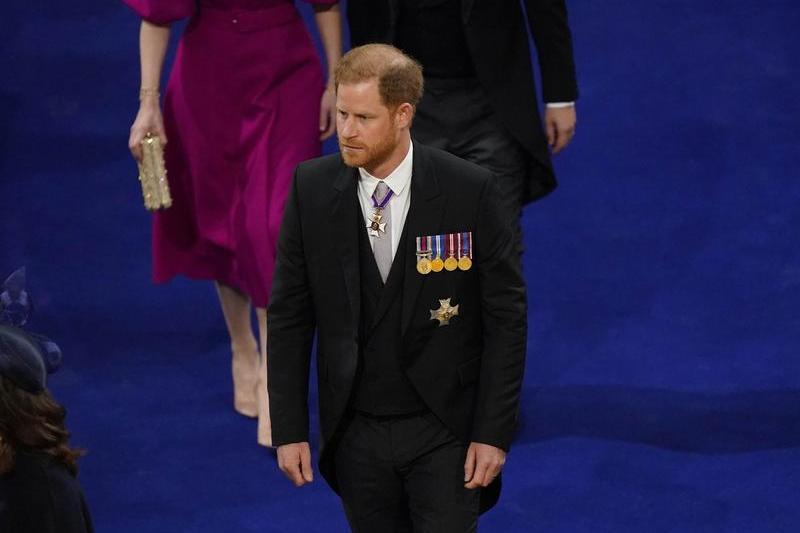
(468, 373)
(39, 495)
(496, 34)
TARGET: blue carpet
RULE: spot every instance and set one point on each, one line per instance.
(662, 391)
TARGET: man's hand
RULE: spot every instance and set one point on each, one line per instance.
(559, 123)
(294, 460)
(483, 464)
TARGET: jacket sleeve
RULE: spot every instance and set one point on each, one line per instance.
(162, 12)
(291, 324)
(504, 315)
(551, 33)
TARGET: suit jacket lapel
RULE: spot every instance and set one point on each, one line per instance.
(343, 223)
(424, 218)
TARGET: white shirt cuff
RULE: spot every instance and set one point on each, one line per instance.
(556, 105)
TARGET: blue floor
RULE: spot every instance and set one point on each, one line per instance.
(662, 391)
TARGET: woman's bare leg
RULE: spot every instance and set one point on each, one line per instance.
(244, 365)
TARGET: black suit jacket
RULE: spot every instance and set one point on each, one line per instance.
(468, 373)
(498, 43)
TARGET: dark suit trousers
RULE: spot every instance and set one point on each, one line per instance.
(454, 115)
(402, 475)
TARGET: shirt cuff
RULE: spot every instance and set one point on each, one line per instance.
(556, 105)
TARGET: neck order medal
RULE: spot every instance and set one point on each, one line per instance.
(375, 224)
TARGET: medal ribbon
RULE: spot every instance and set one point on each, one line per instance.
(466, 244)
(385, 200)
(437, 246)
(422, 245)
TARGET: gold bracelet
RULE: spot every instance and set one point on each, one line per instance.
(145, 92)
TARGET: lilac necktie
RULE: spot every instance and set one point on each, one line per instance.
(382, 245)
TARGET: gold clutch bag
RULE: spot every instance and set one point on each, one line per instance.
(153, 175)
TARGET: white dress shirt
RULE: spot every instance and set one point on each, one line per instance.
(399, 181)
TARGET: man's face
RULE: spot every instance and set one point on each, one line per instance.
(368, 130)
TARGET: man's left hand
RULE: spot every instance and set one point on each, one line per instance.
(559, 123)
(483, 464)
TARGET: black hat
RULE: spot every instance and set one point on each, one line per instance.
(21, 360)
(25, 358)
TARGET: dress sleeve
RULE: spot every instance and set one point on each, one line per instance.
(162, 12)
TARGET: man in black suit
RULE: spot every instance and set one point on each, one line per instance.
(480, 98)
(400, 259)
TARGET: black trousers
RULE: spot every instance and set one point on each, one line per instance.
(403, 475)
(454, 115)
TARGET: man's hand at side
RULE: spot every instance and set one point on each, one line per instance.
(294, 460)
(559, 123)
(483, 464)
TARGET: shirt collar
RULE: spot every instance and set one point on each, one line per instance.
(397, 181)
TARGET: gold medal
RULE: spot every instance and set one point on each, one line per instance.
(451, 263)
(424, 255)
(437, 263)
(424, 265)
(464, 251)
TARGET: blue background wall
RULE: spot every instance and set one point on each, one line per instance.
(662, 390)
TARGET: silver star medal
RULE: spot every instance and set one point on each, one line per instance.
(444, 313)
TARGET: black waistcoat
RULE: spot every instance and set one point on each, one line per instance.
(381, 386)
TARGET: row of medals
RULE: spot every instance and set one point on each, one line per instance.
(426, 265)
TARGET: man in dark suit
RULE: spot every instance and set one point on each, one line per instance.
(480, 98)
(399, 257)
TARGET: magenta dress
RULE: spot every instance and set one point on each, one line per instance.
(241, 110)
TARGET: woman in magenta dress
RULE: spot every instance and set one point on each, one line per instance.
(245, 103)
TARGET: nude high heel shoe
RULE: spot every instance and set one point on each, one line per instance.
(244, 367)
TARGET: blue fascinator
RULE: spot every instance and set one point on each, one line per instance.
(26, 358)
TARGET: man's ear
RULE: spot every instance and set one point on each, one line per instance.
(404, 115)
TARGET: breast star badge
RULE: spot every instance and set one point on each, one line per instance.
(444, 313)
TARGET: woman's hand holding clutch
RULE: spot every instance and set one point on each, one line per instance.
(146, 144)
(148, 120)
